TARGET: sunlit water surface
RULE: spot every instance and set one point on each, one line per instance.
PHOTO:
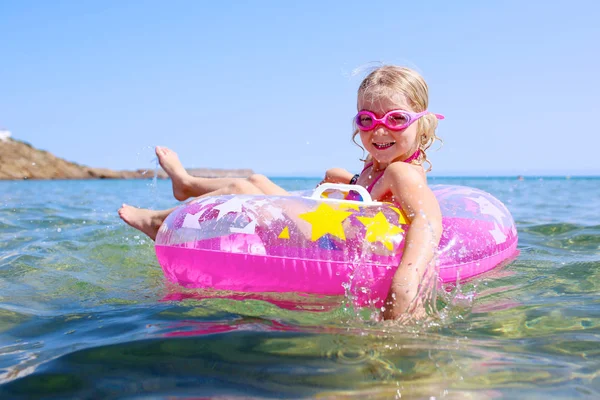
(83, 311)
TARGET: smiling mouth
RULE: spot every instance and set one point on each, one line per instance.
(383, 146)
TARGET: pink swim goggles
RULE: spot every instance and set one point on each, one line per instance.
(395, 120)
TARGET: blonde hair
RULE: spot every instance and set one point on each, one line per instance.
(391, 80)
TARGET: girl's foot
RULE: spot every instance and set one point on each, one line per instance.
(179, 177)
(146, 221)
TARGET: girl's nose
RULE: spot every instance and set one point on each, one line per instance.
(380, 131)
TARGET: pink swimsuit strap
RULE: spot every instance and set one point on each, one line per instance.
(409, 159)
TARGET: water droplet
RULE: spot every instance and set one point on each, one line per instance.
(59, 230)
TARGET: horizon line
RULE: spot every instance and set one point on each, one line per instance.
(564, 176)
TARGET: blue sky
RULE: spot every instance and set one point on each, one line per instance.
(269, 85)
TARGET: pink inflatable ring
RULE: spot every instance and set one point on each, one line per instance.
(322, 245)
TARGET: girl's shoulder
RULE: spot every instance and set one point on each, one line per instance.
(398, 177)
(405, 172)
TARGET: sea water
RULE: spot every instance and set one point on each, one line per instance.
(85, 311)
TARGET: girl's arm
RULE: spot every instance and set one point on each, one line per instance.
(410, 191)
(337, 175)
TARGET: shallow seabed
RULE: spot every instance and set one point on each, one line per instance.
(85, 311)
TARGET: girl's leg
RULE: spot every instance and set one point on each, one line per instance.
(144, 220)
(149, 221)
(186, 186)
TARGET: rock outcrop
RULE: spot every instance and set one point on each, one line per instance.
(20, 160)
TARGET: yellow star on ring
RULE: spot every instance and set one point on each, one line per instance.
(324, 220)
(349, 206)
(285, 233)
(380, 230)
(402, 217)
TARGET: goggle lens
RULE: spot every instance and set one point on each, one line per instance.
(397, 119)
(364, 121)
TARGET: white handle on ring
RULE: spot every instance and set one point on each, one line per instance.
(344, 187)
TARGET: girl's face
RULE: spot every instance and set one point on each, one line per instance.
(384, 145)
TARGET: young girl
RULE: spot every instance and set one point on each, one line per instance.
(395, 129)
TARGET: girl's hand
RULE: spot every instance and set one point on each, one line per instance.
(403, 302)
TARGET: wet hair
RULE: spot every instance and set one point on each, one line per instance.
(390, 81)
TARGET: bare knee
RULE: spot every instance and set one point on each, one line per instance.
(258, 180)
(243, 187)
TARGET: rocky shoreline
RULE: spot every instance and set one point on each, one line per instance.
(20, 160)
